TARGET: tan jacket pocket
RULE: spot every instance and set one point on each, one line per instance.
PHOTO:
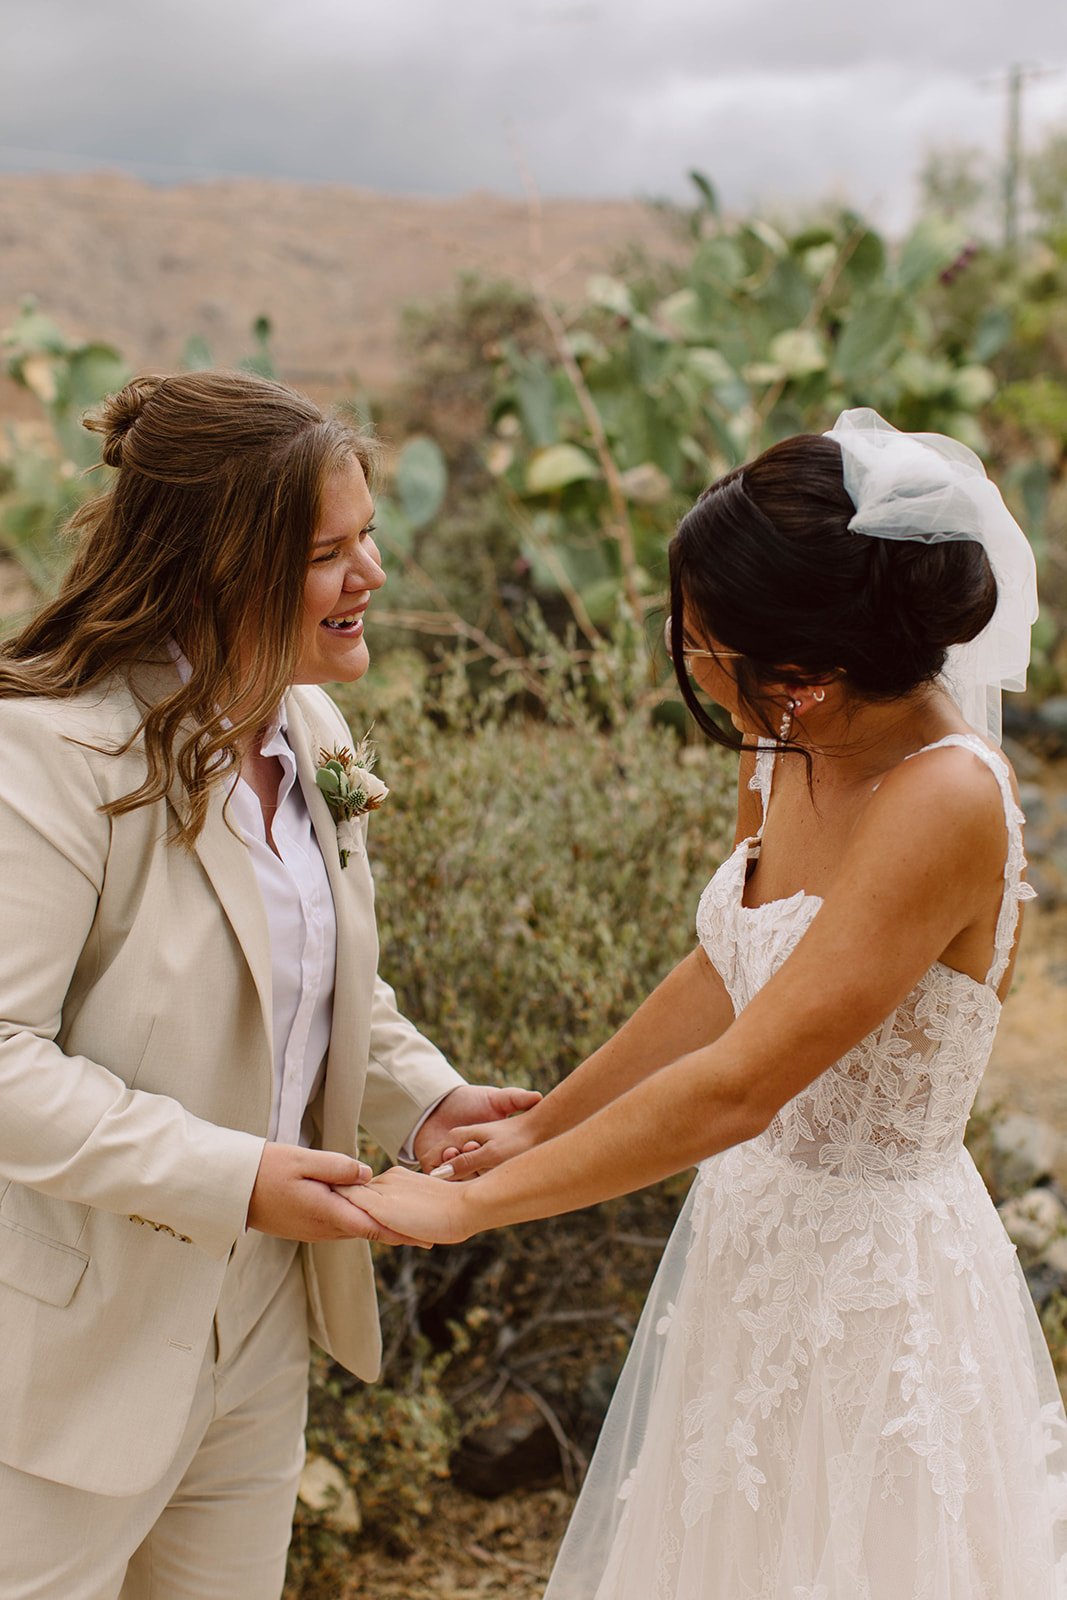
(38, 1266)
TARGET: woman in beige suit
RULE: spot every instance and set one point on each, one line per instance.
(191, 1022)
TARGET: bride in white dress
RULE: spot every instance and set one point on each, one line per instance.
(839, 1389)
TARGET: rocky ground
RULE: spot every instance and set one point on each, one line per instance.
(1028, 1071)
(470, 1549)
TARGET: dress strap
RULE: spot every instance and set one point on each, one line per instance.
(763, 777)
(1015, 890)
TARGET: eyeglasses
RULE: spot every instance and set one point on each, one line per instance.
(690, 653)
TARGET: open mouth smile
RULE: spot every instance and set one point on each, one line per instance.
(351, 625)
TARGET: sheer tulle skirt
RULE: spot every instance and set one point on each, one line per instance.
(867, 1417)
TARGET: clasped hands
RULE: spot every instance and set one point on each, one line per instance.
(317, 1195)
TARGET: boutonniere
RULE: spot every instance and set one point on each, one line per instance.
(349, 788)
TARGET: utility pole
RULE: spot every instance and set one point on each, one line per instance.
(1015, 81)
(1013, 158)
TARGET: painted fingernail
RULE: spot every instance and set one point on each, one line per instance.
(447, 1170)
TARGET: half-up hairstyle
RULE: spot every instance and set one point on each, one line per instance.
(202, 539)
(764, 564)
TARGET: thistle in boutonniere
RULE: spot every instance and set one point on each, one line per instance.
(349, 788)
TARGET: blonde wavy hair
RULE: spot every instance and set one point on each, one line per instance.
(203, 538)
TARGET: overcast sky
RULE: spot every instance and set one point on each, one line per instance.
(777, 100)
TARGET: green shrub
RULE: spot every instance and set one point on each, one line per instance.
(392, 1444)
(537, 878)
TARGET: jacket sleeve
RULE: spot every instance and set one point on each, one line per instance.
(68, 1126)
(406, 1074)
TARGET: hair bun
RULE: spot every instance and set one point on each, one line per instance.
(943, 593)
(117, 415)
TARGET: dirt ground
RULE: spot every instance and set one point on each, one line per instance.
(470, 1550)
(1028, 1070)
(145, 267)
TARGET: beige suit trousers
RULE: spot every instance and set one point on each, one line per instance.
(217, 1525)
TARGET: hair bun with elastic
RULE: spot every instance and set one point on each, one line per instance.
(118, 414)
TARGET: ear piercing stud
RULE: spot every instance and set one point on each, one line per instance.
(792, 707)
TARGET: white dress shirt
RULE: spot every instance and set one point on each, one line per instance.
(302, 923)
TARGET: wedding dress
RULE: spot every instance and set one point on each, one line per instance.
(839, 1388)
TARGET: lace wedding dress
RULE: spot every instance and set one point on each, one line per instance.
(839, 1388)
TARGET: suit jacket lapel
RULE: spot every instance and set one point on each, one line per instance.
(354, 905)
(223, 855)
(228, 864)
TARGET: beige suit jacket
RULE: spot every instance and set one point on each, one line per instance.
(135, 1087)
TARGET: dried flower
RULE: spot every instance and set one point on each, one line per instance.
(350, 788)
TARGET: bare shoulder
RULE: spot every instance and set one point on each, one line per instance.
(944, 802)
(923, 864)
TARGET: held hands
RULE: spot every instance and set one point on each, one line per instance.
(295, 1197)
(313, 1195)
(407, 1204)
(474, 1128)
(481, 1146)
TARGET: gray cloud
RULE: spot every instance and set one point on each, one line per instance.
(776, 101)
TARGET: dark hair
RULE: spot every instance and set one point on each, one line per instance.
(765, 565)
(208, 520)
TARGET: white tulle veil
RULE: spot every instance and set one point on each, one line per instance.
(928, 487)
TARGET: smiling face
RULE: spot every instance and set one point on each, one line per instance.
(344, 571)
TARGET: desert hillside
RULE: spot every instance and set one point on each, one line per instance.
(145, 267)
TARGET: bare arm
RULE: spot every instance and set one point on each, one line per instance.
(688, 1009)
(923, 864)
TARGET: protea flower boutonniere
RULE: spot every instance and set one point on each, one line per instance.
(350, 788)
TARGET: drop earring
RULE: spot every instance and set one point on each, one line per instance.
(785, 727)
